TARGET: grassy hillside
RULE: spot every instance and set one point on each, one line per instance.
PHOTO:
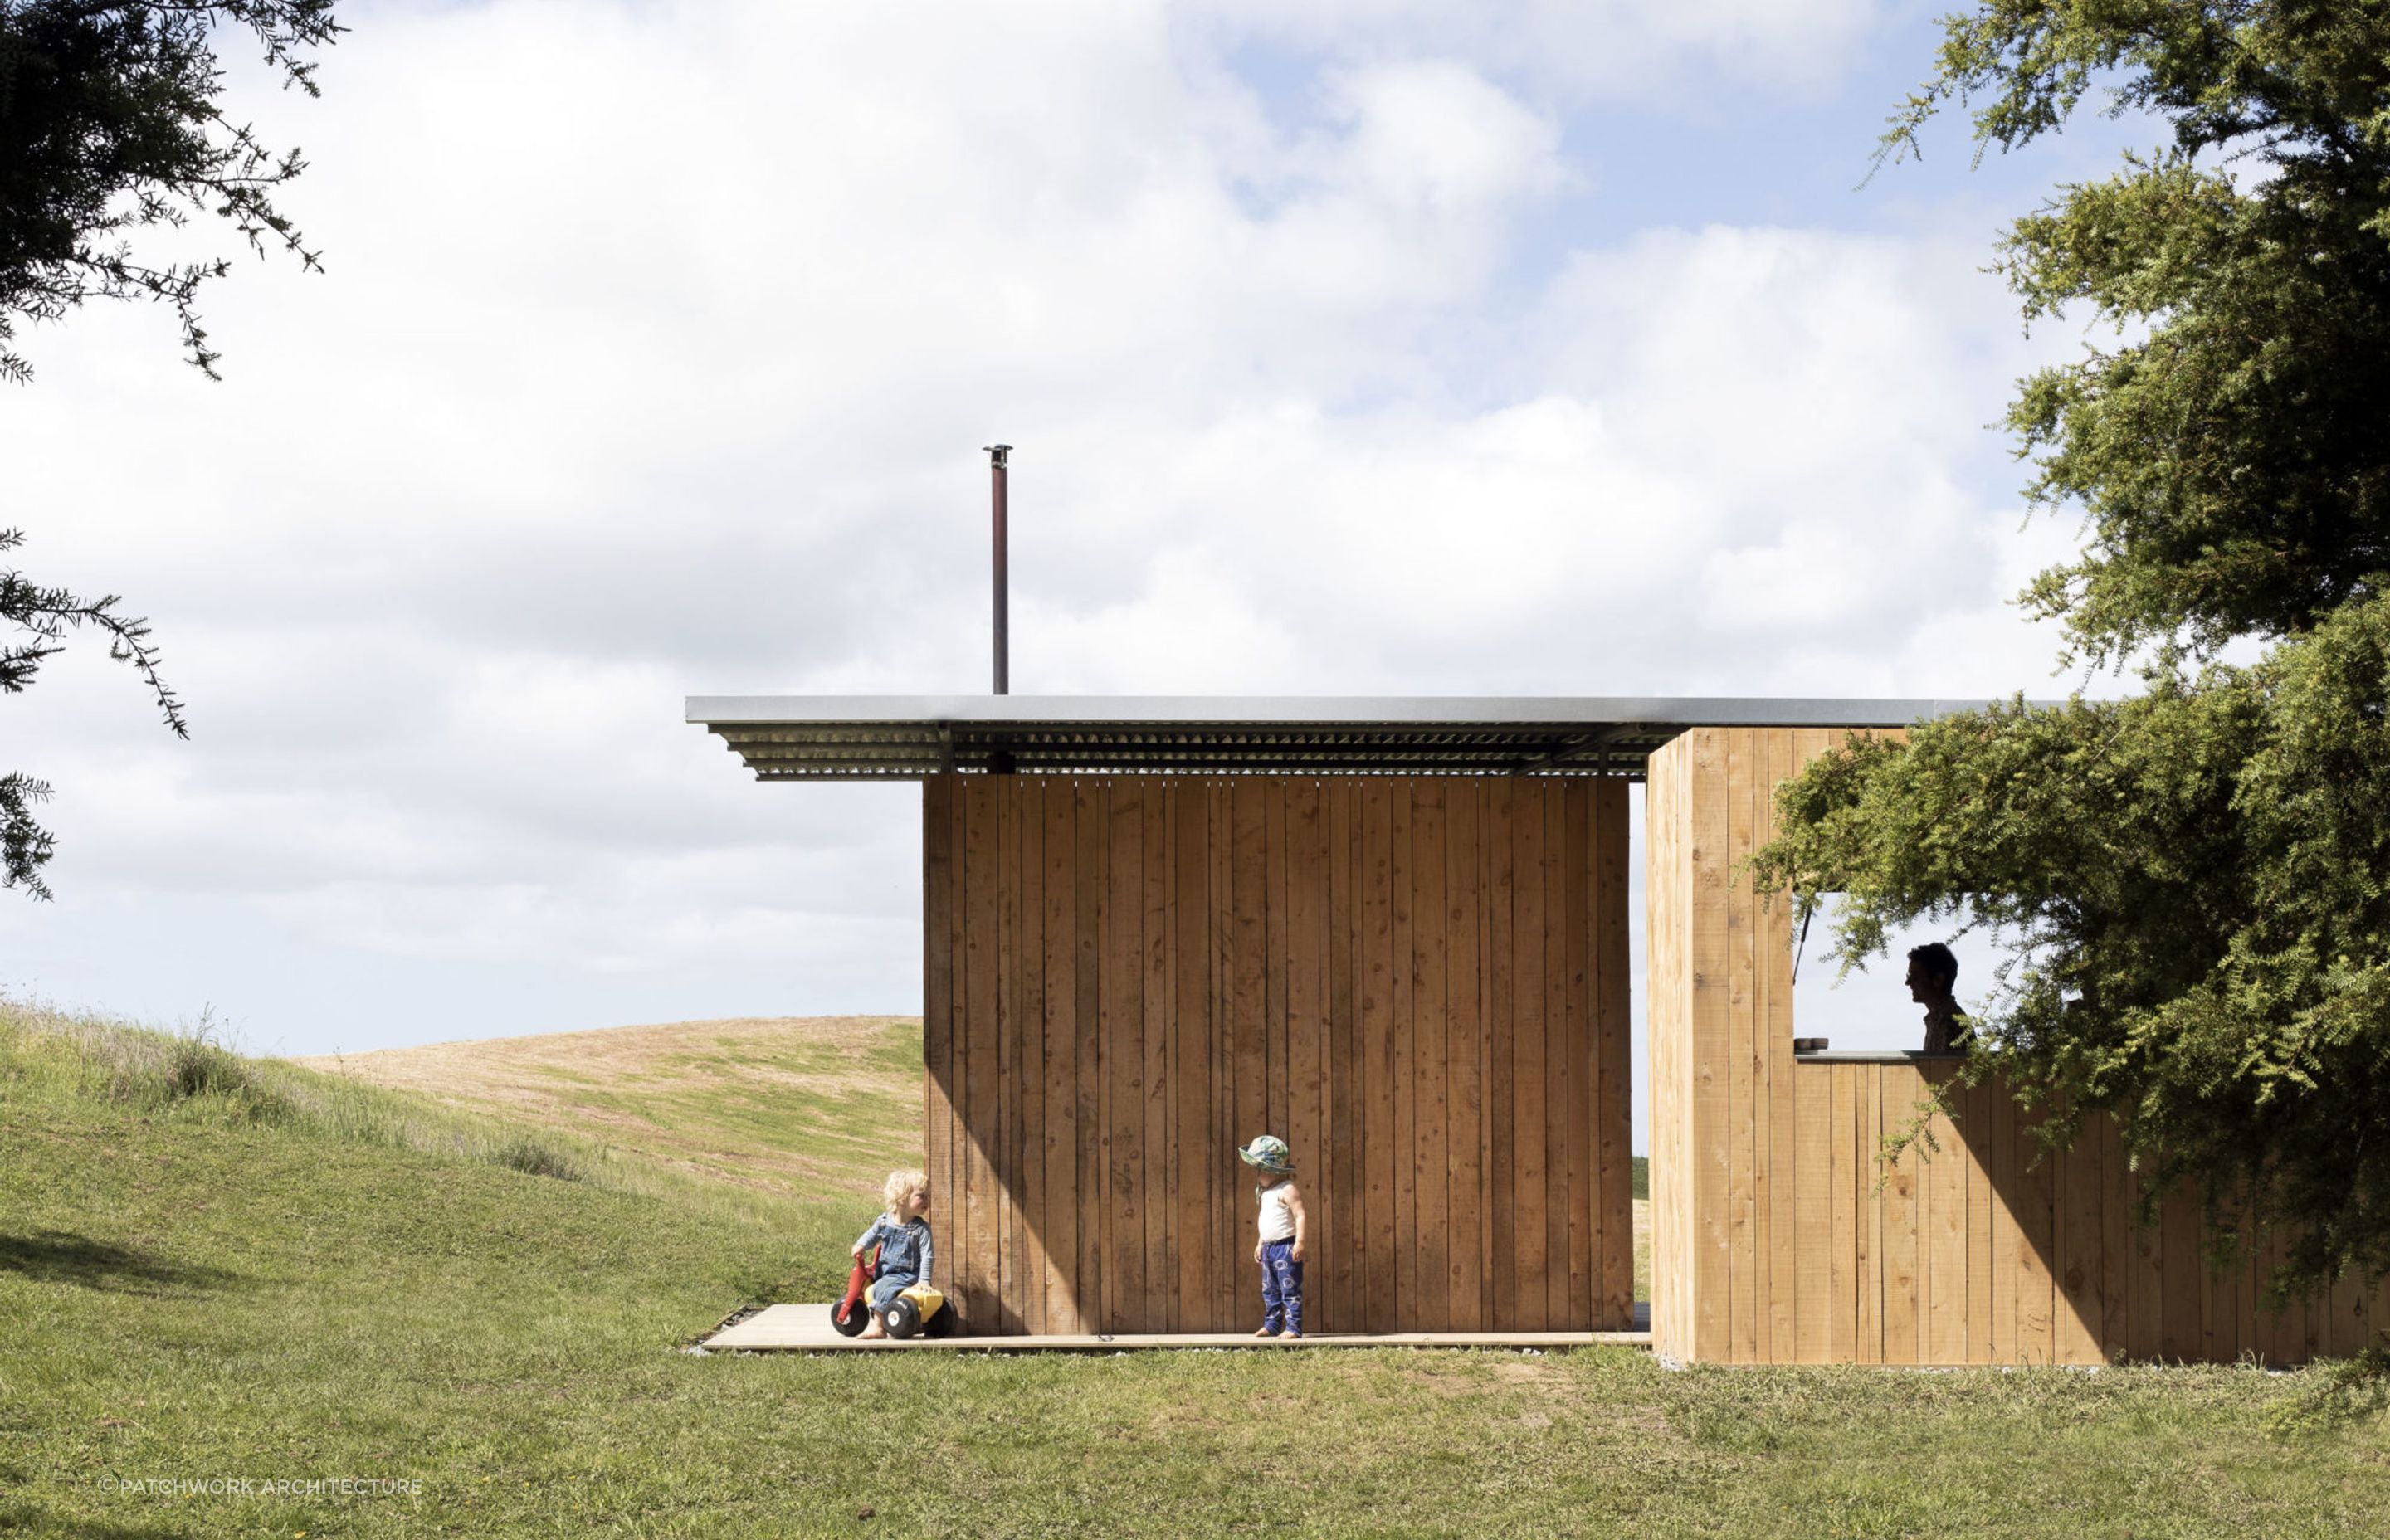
(799, 1107)
(802, 1107)
(215, 1270)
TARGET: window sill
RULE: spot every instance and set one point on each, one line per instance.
(1874, 1056)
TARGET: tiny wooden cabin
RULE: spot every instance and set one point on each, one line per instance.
(1394, 933)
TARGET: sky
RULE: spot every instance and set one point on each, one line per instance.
(1403, 348)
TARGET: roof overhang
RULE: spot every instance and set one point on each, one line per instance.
(813, 737)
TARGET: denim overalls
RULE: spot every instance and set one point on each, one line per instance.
(904, 1255)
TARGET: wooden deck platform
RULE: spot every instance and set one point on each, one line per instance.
(807, 1328)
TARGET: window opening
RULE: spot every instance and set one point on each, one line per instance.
(1869, 1010)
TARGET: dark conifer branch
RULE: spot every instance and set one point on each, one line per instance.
(2194, 883)
(109, 125)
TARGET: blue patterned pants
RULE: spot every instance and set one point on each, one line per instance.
(1281, 1289)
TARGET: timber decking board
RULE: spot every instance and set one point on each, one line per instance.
(1578, 795)
(1784, 1113)
(1844, 1187)
(1027, 1270)
(1275, 967)
(1944, 1248)
(1089, 848)
(937, 979)
(1249, 1066)
(1429, 1082)
(1122, 1255)
(1404, 1220)
(1530, 1230)
(2007, 1230)
(2036, 1283)
(977, 1038)
(1339, 1059)
(1464, 1029)
(1224, 1218)
(1554, 964)
(1744, 1170)
(807, 1328)
(1813, 1212)
(1668, 991)
(1502, 1027)
(2179, 1336)
(1900, 1086)
(1129, 977)
(1160, 1273)
(1308, 957)
(1612, 1156)
(1193, 1028)
(2114, 1330)
(1707, 1070)
(1376, 945)
(1060, 983)
(1866, 1172)
(2077, 1179)
(1772, 1169)
(1975, 1129)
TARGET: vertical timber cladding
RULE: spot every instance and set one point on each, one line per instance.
(1419, 982)
(1778, 1236)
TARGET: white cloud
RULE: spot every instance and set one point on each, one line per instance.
(653, 358)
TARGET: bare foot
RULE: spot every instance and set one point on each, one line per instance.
(1265, 1331)
(875, 1333)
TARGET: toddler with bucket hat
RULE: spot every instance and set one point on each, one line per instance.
(1279, 1248)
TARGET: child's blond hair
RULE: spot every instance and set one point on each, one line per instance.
(900, 1186)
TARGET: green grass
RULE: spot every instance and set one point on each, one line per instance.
(764, 1105)
(215, 1277)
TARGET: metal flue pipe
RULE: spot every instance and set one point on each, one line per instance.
(998, 454)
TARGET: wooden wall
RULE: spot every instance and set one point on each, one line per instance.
(1776, 1235)
(1991, 1249)
(1420, 983)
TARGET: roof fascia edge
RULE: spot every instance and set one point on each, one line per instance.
(988, 710)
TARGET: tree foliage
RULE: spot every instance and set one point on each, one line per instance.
(2230, 462)
(109, 125)
(42, 617)
(2193, 880)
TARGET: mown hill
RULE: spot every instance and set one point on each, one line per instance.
(804, 1106)
(220, 1274)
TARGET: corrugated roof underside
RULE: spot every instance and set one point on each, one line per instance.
(876, 753)
(904, 737)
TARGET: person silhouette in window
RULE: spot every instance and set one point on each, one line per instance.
(1932, 974)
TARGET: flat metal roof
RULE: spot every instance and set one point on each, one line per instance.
(809, 738)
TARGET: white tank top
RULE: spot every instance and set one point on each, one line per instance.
(1278, 1216)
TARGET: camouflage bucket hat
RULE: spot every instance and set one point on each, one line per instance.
(1269, 1153)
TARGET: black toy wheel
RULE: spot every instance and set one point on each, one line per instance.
(850, 1321)
(904, 1318)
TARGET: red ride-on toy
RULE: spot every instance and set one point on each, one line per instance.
(850, 1314)
(919, 1311)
